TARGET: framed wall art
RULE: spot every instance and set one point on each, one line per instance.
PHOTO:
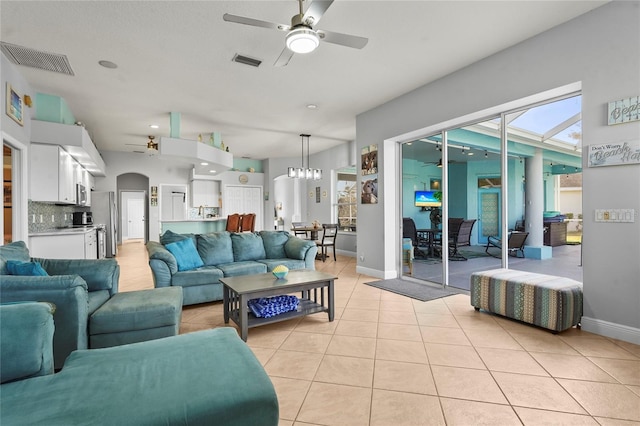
(14, 105)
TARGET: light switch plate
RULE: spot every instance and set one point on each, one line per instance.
(615, 215)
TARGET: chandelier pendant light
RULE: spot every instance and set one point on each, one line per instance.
(302, 172)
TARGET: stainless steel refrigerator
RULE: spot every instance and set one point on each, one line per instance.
(105, 212)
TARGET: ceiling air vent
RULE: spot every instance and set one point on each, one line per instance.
(20, 55)
(241, 59)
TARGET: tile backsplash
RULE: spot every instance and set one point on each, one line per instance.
(50, 216)
(192, 213)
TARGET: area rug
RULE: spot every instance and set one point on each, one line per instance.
(417, 291)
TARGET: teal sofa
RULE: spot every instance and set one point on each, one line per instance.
(77, 288)
(225, 254)
(202, 378)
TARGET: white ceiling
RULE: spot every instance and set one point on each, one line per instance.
(176, 56)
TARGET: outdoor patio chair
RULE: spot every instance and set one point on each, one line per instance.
(516, 244)
(460, 238)
(409, 231)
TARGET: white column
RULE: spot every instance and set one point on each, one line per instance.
(534, 196)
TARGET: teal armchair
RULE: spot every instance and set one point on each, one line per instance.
(76, 287)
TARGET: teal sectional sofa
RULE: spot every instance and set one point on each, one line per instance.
(197, 262)
(202, 378)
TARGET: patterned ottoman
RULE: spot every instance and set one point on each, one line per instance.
(547, 301)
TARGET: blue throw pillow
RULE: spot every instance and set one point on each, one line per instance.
(16, 267)
(186, 255)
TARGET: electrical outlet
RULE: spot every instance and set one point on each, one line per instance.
(41, 219)
(53, 218)
(362, 257)
(33, 218)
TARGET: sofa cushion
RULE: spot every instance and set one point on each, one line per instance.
(274, 242)
(171, 237)
(289, 263)
(247, 246)
(243, 268)
(97, 299)
(34, 269)
(102, 274)
(186, 254)
(215, 248)
(200, 276)
(14, 251)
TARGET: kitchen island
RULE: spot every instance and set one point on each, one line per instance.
(194, 226)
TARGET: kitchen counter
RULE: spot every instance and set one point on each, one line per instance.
(63, 231)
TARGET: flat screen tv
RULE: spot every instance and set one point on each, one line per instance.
(426, 199)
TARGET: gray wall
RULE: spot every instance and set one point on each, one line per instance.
(599, 52)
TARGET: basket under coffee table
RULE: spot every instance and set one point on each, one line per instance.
(316, 287)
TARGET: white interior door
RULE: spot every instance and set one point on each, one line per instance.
(135, 225)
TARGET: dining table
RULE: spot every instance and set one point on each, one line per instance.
(313, 231)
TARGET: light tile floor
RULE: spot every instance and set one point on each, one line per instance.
(391, 360)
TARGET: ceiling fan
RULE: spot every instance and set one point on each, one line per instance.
(301, 36)
(152, 147)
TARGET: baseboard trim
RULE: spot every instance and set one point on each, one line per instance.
(610, 329)
(346, 253)
(376, 273)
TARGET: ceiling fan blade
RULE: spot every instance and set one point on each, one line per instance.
(284, 58)
(343, 39)
(315, 11)
(255, 22)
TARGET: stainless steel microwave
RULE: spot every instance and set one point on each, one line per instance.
(81, 195)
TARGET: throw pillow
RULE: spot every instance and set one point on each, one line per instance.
(186, 255)
(16, 267)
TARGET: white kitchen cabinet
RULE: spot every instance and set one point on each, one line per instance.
(53, 175)
(90, 245)
(205, 193)
(72, 245)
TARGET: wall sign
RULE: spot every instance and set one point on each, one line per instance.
(614, 154)
(14, 105)
(624, 110)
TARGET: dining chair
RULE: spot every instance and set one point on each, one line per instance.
(296, 231)
(329, 234)
(248, 222)
(233, 222)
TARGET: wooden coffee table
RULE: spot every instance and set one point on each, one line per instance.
(316, 287)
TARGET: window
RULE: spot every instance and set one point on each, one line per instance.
(346, 199)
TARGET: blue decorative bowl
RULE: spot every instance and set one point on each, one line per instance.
(280, 275)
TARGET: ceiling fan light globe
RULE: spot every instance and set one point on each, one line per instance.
(302, 40)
